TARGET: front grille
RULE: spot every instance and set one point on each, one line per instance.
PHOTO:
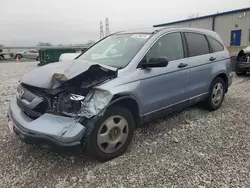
(34, 90)
(30, 94)
(29, 112)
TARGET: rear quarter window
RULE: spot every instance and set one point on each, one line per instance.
(215, 45)
(197, 44)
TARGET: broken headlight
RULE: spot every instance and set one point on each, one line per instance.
(94, 102)
(70, 104)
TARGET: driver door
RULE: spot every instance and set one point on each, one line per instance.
(27, 54)
(165, 87)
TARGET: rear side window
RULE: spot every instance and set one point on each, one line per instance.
(215, 45)
(197, 44)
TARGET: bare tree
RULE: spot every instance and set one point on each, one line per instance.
(44, 44)
(193, 15)
(90, 42)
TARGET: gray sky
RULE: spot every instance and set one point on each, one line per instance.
(26, 22)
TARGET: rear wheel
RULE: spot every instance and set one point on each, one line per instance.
(111, 135)
(216, 94)
(19, 56)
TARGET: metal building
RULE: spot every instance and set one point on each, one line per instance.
(232, 26)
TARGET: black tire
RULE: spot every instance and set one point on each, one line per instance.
(240, 73)
(92, 149)
(38, 59)
(208, 103)
(19, 56)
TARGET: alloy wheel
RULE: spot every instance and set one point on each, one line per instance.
(217, 94)
(112, 134)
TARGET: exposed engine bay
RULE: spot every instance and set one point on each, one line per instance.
(73, 97)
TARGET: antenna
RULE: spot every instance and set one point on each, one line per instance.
(106, 27)
(101, 30)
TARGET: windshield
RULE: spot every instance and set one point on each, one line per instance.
(116, 50)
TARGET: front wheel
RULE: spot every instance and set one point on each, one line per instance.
(216, 94)
(111, 135)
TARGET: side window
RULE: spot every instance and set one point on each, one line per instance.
(197, 44)
(169, 46)
(216, 46)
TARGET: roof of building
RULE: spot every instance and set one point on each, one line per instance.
(202, 17)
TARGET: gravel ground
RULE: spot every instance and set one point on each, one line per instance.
(194, 148)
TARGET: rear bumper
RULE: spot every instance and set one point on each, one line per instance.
(48, 131)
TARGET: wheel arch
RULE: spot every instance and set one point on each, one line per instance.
(224, 76)
(130, 102)
(20, 55)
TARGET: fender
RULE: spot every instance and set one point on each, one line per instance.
(119, 97)
(90, 123)
(225, 74)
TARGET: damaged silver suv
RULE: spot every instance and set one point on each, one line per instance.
(95, 102)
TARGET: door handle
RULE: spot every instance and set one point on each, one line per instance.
(212, 58)
(182, 65)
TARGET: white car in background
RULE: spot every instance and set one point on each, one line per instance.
(29, 54)
(68, 56)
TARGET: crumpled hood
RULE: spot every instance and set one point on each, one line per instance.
(53, 75)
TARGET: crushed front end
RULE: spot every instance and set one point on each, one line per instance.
(243, 61)
(59, 116)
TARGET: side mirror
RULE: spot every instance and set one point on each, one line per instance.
(156, 62)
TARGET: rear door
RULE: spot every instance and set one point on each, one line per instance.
(217, 50)
(33, 54)
(200, 62)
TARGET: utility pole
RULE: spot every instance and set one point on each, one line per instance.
(106, 27)
(101, 30)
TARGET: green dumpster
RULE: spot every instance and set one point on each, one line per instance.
(52, 55)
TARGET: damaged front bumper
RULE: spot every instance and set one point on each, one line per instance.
(47, 131)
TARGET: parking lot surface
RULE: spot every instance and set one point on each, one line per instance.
(194, 148)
